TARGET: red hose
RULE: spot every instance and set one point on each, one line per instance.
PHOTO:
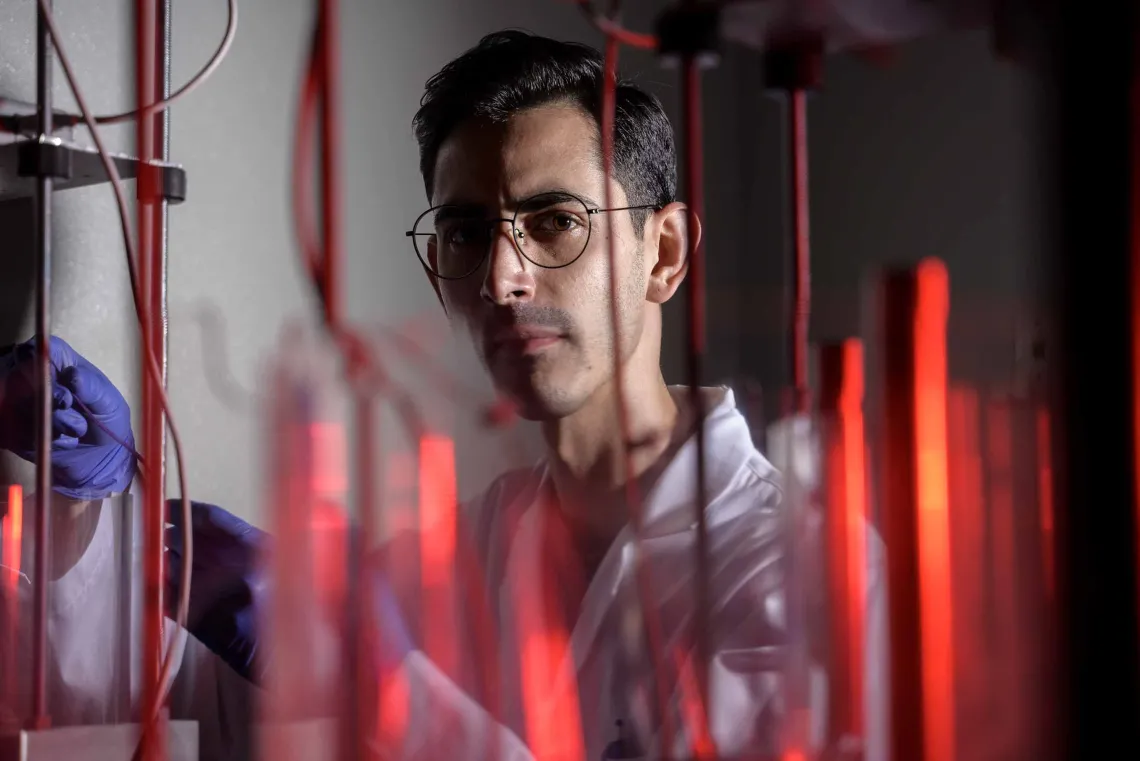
(303, 222)
(801, 278)
(154, 738)
(330, 160)
(694, 194)
(654, 634)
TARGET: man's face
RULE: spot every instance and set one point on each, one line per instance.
(545, 334)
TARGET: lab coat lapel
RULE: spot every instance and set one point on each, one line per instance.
(522, 585)
(669, 514)
(670, 505)
(669, 518)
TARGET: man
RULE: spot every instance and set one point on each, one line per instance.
(515, 245)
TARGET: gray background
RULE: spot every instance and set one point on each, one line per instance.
(927, 157)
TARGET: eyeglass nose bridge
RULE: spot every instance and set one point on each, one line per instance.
(517, 235)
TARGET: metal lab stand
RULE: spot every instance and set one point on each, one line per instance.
(35, 162)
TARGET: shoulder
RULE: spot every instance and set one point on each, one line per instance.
(755, 490)
(762, 481)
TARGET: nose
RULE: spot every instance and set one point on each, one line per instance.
(509, 277)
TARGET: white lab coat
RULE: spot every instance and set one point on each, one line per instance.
(94, 645)
(455, 715)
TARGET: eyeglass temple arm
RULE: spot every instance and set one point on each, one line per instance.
(653, 206)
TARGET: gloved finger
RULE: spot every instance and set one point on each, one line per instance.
(211, 520)
(61, 396)
(173, 539)
(59, 351)
(64, 443)
(92, 388)
(174, 516)
(62, 355)
(172, 581)
(69, 423)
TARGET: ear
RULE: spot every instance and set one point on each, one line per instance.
(432, 278)
(670, 227)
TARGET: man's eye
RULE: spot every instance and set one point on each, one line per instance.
(557, 222)
(463, 234)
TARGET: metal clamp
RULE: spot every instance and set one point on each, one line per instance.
(44, 157)
(690, 30)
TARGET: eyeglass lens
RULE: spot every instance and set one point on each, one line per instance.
(551, 230)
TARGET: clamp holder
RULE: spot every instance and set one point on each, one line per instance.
(794, 63)
(44, 157)
(690, 30)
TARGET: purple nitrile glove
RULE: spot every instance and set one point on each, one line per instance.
(93, 446)
(229, 588)
(227, 582)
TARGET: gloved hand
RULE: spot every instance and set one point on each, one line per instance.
(92, 448)
(229, 589)
(227, 584)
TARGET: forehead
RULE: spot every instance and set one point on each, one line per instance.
(550, 147)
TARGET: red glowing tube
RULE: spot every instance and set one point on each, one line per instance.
(968, 546)
(547, 678)
(841, 402)
(401, 566)
(437, 550)
(12, 526)
(367, 697)
(931, 312)
(1045, 498)
(916, 519)
(1004, 599)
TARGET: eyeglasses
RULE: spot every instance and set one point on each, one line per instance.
(550, 229)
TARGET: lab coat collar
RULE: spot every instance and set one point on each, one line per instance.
(668, 505)
(668, 510)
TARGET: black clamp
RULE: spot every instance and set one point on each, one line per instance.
(794, 63)
(43, 158)
(170, 183)
(690, 30)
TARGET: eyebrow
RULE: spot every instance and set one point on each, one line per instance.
(559, 194)
(459, 211)
(449, 210)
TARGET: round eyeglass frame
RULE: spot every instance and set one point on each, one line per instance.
(590, 213)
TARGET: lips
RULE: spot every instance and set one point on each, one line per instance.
(524, 339)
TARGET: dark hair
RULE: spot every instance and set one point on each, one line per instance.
(511, 71)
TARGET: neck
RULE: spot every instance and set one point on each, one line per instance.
(588, 454)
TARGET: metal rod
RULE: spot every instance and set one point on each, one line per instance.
(44, 188)
(164, 32)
